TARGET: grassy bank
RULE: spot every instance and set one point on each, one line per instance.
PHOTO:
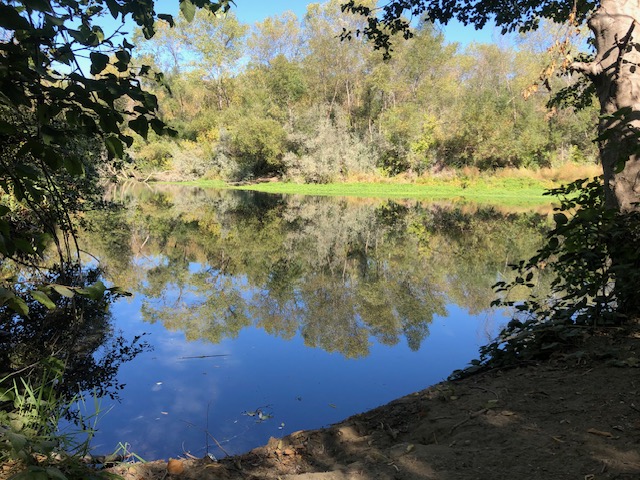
(515, 187)
(506, 191)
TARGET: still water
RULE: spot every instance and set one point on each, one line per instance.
(267, 314)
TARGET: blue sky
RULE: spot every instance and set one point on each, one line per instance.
(251, 11)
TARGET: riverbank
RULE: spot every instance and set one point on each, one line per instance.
(516, 188)
(574, 415)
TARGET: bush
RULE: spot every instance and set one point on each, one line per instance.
(326, 151)
(592, 256)
(190, 159)
(257, 145)
(153, 155)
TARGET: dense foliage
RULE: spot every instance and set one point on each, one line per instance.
(286, 97)
(592, 256)
(67, 93)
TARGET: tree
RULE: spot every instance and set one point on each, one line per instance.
(68, 94)
(613, 71)
(274, 37)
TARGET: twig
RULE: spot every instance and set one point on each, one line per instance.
(204, 356)
(218, 444)
(472, 415)
(487, 390)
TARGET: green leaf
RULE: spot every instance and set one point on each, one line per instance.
(113, 7)
(53, 472)
(560, 218)
(42, 241)
(119, 291)
(114, 146)
(98, 33)
(140, 125)
(24, 246)
(5, 295)
(78, 35)
(10, 19)
(57, 21)
(94, 292)
(7, 395)
(124, 57)
(17, 441)
(187, 9)
(52, 158)
(42, 298)
(99, 62)
(6, 247)
(158, 126)
(18, 305)
(39, 5)
(73, 165)
(167, 18)
(65, 54)
(62, 290)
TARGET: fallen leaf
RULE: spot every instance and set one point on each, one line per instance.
(175, 467)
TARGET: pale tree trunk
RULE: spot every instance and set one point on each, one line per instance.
(615, 73)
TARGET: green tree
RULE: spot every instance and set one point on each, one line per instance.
(60, 122)
(332, 68)
(612, 72)
(273, 37)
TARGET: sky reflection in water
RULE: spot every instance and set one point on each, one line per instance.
(365, 302)
(164, 406)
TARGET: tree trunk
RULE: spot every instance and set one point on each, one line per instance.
(615, 73)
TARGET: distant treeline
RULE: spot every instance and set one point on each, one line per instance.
(286, 97)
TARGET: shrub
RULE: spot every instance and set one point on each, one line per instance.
(326, 152)
(592, 256)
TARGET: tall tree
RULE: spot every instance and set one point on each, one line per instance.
(274, 37)
(613, 71)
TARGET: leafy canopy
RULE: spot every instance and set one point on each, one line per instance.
(395, 16)
(60, 123)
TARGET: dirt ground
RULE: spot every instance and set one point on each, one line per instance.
(573, 416)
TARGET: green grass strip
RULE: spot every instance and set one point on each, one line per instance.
(499, 191)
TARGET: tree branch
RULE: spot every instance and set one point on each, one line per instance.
(591, 69)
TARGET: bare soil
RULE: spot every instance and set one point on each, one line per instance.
(575, 415)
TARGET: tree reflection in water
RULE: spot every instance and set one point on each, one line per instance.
(337, 271)
(79, 332)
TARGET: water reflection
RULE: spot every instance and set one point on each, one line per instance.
(323, 307)
(340, 272)
(79, 332)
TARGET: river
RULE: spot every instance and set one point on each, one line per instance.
(266, 314)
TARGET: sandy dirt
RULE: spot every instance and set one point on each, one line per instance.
(573, 416)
